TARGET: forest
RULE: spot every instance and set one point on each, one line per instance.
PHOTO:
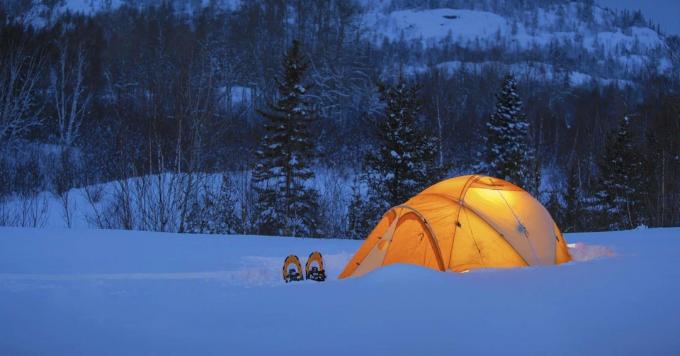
(284, 118)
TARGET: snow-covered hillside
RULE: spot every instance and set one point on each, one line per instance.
(483, 28)
(84, 292)
(434, 25)
(585, 40)
(572, 34)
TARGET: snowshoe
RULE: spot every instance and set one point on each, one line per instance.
(314, 268)
(292, 269)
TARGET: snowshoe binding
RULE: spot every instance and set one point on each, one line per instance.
(292, 269)
(314, 268)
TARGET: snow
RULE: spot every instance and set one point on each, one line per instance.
(236, 96)
(123, 292)
(432, 26)
(645, 38)
(633, 48)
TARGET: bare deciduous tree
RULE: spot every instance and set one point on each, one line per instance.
(20, 72)
(71, 101)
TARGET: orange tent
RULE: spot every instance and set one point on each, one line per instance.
(460, 224)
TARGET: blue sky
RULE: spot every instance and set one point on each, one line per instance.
(664, 12)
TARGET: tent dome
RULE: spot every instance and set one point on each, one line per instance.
(460, 224)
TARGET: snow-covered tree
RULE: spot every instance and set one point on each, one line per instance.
(405, 161)
(214, 213)
(508, 153)
(287, 203)
(620, 187)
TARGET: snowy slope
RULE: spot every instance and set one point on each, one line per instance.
(434, 25)
(431, 26)
(592, 42)
(593, 47)
(115, 292)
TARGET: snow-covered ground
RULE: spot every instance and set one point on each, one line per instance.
(107, 292)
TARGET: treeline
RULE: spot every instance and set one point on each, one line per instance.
(139, 92)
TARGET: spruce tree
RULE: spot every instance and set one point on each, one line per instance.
(404, 163)
(620, 185)
(508, 153)
(287, 204)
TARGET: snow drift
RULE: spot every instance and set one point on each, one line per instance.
(125, 292)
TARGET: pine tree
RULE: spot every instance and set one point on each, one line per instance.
(404, 163)
(508, 153)
(287, 205)
(620, 185)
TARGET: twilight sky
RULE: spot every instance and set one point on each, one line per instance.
(664, 12)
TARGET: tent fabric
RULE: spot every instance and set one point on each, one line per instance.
(460, 224)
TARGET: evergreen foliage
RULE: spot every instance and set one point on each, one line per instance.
(287, 204)
(620, 187)
(508, 153)
(404, 162)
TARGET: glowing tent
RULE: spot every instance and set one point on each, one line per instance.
(460, 224)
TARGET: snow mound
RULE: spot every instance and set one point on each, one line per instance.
(581, 252)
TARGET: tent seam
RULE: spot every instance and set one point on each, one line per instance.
(433, 237)
(524, 230)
